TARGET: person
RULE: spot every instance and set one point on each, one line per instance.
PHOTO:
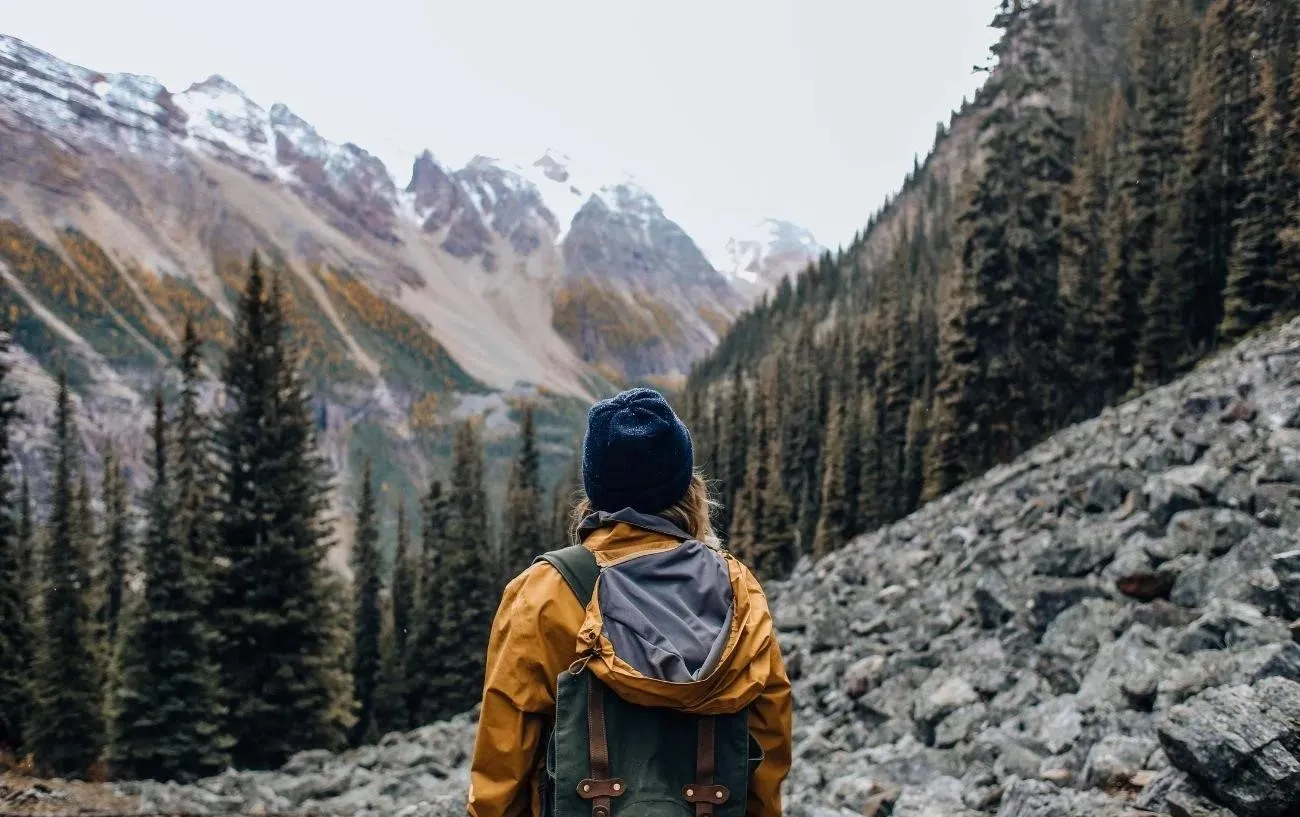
(690, 632)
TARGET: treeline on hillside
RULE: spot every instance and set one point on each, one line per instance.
(1088, 257)
(213, 633)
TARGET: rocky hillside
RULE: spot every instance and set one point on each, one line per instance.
(126, 206)
(1099, 628)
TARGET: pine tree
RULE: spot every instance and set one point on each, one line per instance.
(774, 555)
(114, 550)
(954, 452)
(405, 578)
(523, 513)
(15, 626)
(195, 472)
(166, 720)
(747, 518)
(564, 495)
(732, 466)
(1289, 243)
(1086, 206)
(27, 566)
(869, 511)
(66, 729)
(914, 453)
(367, 619)
(834, 521)
(1154, 157)
(424, 665)
(1010, 252)
(1212, 184)
(1257, 285)
(471, 589)
(390, 714)
(281, 672)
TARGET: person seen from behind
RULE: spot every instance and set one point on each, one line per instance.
(636, 672)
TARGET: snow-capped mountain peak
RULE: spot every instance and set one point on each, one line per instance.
(222, 120)
(758, 257)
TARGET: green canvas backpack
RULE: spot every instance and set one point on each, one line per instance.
(609, 758)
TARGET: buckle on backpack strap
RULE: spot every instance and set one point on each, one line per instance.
(599, 793)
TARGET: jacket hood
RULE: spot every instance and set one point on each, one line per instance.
(673, 622)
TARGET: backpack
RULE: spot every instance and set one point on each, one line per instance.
(606, 757)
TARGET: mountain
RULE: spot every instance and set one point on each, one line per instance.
(125, 207)
(756, 259)
(1098, 628)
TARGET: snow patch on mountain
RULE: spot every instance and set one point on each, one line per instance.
(221, 118)
(760, 255)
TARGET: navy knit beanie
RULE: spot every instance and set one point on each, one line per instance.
(637, 454)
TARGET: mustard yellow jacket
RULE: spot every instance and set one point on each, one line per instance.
(541, 628)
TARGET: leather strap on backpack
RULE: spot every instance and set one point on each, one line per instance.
(703, 793)
(600, 787)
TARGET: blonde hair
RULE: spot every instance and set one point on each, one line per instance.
(692, 513)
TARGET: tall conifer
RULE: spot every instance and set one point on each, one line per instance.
(524, 538)
(367, 621)
(281, 671)
(15, 626)
(66, 729)
(425, 666)
(166, 720)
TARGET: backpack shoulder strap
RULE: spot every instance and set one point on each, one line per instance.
(578, 567)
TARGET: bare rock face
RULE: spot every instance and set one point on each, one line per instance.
(639, 294)
(440, 202)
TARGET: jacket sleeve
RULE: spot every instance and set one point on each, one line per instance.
(770, 722)
(532, 641)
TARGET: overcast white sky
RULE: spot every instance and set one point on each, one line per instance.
(726, 110)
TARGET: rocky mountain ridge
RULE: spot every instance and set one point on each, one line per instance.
(757, 258)
(125, 208)
(1099, 628)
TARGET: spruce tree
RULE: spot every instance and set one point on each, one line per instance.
(913, 481)
(26, 553)
(114, 550)
(424, 666)
(66, 729)
(870, 513)
(774, 556)
(471, 588)
(405, 579)
(1289, 243)
(1212, 184)
(1258, 284)
(523, 512)
(1085, 205)
(834, 521)
(281, 673)
(195, 471)
(1010, 251)
(389, 706)
(954, 453)
(1153, 159)
(772, 553)
(166, 720)
(732, 465)
(747, 517)
(367, 622)
(564, 495)
(15, 626)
